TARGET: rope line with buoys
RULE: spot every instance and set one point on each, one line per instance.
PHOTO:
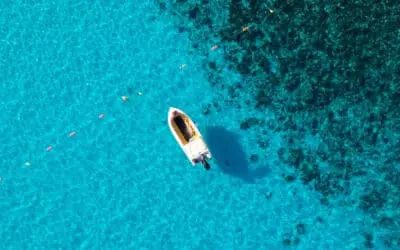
(73, 133)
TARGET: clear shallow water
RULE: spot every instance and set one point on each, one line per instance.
(122, 182)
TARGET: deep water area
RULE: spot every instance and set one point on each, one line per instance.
(297, 100)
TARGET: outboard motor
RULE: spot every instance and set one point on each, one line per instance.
(206, 165)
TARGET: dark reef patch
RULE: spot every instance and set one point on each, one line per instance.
(194, 12)
(248, 123)
(207, 109)
(330, 70)
(293, 236)
(301, 229)
(254, 158)
(368, 240)
(290, 178)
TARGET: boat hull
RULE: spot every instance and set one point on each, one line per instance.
(188, 136)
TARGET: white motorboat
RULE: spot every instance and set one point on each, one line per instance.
(188, 137)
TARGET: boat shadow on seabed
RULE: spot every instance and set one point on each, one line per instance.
(230, 156)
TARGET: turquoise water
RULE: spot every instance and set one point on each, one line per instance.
(121, 181)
